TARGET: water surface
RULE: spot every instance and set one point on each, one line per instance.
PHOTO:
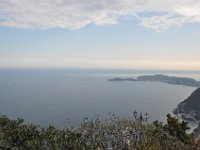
(50, 96)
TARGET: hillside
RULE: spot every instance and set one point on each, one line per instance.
(190, 106)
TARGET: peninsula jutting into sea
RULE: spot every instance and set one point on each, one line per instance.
(163, 78)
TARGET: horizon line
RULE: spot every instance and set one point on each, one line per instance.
(97, 68)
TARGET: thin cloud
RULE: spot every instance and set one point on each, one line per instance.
(75, 14)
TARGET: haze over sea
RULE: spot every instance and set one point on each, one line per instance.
(51, 96)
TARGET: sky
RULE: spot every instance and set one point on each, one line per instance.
(130, 34)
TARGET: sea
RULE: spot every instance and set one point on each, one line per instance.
(60, 96)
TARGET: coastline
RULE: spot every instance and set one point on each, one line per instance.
(188, 110)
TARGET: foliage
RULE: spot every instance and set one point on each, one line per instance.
(177, 129)
(114, 134)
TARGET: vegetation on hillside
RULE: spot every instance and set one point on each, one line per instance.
(191, 105)
(110, 134)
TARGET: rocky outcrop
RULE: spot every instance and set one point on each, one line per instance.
(190, 106)
(189, 110)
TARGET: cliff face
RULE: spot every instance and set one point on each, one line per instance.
(190, 106)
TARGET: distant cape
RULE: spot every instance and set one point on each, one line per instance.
(162, 78)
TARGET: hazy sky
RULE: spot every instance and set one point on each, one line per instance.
(151, 34)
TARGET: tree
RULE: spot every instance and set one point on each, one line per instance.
(177, 129)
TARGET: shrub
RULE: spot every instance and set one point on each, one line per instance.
(114, 133)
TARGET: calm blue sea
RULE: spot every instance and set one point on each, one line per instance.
(51, 96)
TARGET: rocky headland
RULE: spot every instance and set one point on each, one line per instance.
(189, 110)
